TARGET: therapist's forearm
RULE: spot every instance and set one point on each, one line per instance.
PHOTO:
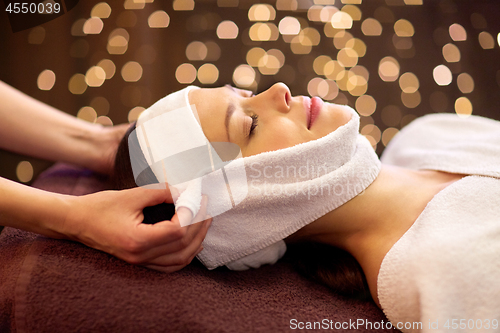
(33, 210)
(33, 128)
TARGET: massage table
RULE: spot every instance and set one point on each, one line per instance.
(49, 285)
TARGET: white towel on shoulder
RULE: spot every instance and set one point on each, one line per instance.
(445, 270)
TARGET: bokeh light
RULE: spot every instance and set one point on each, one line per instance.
(347, 57)
(87, 113)
(341, 20)
(36, 35)
(334, 70)
(353, 11)
(77, 84)
(104, 121)
(108, 66)
(95, 76)
(159, 19)
(442, 75)
(287, 4)
(196, 51)
(183, 5)
(372, 133)
(185, 73)
(366, 105)
(24, 171)
(384, 15)
(134, 4)
(341, 38)
(118, 41)
(371, 27)
(388, 134)
(289, 26)
(404, 28)
(457, 32)
(486, 40)
(261, 12)
(319, 64)
(357, 45)
(227, 30)
(465, 83)
(77, 27)
(408, 82)
(263, 32)
(244, 76)
(101, 10)
(93, 26)
(388, 69)
(411, 100)
(463, 107)
(326, 89)
(46, 80)
(134, 114)
(451, 53)
(208, 74)
(131, 71)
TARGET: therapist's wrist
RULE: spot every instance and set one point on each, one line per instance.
(103, 143)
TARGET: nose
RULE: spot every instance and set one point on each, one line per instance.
(279, 96)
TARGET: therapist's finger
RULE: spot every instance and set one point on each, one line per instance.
(173, 268)
(170, 233)
(185, 256)
(142, 197)
(196, 234)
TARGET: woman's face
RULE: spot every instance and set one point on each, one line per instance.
(268, 121)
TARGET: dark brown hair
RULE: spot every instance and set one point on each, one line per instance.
(330, 266)
(123, 177)
(325, 264)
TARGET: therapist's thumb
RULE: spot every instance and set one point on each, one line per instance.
(148, 197)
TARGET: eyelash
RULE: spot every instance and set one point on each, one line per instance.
(255, 119)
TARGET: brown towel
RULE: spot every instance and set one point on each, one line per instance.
(60, 286)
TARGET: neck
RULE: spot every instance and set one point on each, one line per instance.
(371, 223)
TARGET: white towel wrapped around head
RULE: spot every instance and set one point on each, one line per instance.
(259, 200)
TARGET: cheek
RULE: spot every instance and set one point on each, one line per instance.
(278, 139)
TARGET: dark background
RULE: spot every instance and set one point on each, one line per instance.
(160, 51)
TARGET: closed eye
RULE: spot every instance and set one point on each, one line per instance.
(255, 119)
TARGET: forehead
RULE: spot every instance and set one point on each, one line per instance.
(211, 105)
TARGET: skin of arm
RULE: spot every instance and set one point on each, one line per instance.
(110, 221)
(30, 127)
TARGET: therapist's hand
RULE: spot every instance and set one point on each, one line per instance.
(111, 221)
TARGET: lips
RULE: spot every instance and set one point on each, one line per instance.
(315, 109)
